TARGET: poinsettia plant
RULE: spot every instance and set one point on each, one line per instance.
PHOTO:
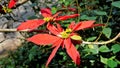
(58, 36)
(48, 17)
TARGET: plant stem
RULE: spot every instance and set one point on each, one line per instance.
(12, 30)
(78, 7)
(109, 16)
(84, 42)
(15, 30)
(105, 42)
(101, 21)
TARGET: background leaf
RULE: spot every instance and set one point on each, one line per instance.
(54, 10)
(91, 38)
(103, 60)
(93, 49)
(107, 32)
(112, 63)
(100, 12)
(104, 49)
(115, 48)
(116, 4)
(85, 17)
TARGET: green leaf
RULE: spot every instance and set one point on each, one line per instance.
(92, 18)
(91, 38)
(93, 49)
(115, 48)
(100, 12)
(118, 61)
(85, 17)
(104, 49)
(77, 46)
(109, 61)
(91, 46)
(54, 10)
(66, 3)
(107, 32)
(76, 37)
(62, 53)
(112, 63)
(103, 60)
(111, 58)
(31, 57)
(116, 4)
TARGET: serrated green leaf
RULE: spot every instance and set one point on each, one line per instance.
(100, 12)
(107, 32)
(103, 60)
(112, 63)
(116, 4)
(115, 48)
(91, 38)
(104, 49)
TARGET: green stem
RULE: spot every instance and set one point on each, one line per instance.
(109, 17)
(78, 7)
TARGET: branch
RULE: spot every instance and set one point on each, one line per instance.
(105, 42)
(12, 30)
(84, 42)
(15, 30)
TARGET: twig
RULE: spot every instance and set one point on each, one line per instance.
(109, 17)
(20, 2)
(27, 30)
(12, 30)
(105, 42)
(84, 42)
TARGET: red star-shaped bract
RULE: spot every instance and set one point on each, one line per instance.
(48, 17)
(12, 3)
(57, 39)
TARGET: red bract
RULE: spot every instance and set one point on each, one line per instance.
(48, 17)
(64, 38)
(30, 24)
(12, 3)
(66, 17)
